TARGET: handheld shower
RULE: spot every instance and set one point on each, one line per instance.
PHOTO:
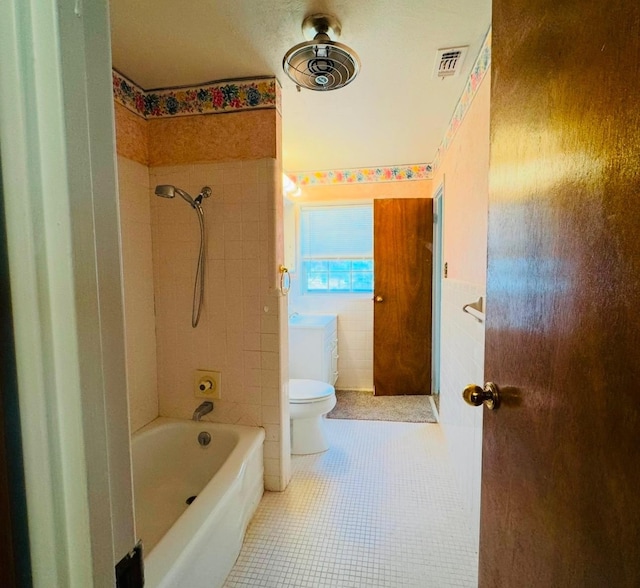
(169, 191)
(166, 191)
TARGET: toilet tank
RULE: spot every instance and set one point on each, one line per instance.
(313, 347)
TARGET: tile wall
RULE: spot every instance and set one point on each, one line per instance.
(137, 262)
(240, 328)
(355, 333)
(464, 171)
(462, 363)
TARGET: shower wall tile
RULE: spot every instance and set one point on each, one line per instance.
(239, 333)
(137, 261)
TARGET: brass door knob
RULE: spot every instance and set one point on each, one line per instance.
(489, 395)
(378, 299)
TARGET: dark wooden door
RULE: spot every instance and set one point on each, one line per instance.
(402, 244)
(561, 457)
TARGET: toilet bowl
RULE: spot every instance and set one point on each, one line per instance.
(309, 401)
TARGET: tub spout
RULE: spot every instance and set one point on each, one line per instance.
(203, 409)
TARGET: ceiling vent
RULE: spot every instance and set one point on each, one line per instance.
(449, 61)
(321, 64)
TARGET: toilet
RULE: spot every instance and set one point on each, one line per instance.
(309, 401)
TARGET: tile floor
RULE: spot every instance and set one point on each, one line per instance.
(379, 509)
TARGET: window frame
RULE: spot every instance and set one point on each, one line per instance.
(302, 271)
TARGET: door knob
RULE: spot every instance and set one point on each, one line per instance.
(378, 299)
(489, 395)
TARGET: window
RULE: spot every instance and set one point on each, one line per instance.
(336, 249)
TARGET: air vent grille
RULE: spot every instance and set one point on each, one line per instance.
(449, 61)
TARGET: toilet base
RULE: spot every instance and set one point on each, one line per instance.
(308, 436)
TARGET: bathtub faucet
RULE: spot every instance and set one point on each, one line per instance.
(203, 409)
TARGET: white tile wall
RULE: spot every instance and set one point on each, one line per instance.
(137, 261)
(239, 330)
(462, 363)
(355, 332)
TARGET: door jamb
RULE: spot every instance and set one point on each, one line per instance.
(56, 112)
(438, 234)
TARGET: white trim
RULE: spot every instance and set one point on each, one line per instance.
(437, 251)
(51, 169)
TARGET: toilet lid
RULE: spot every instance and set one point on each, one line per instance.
(309, 390)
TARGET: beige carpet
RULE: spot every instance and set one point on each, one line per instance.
(364, 406)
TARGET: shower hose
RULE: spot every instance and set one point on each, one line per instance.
(198, 287)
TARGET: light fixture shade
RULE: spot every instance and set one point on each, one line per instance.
(321, 66)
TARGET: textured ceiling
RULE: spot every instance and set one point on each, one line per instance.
(394, 112)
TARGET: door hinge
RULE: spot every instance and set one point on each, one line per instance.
(130, 569)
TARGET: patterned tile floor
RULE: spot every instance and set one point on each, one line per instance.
(379, 509)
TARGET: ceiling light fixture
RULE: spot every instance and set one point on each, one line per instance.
(321, 64)
(289, 187)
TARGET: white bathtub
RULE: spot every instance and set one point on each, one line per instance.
(196, 545)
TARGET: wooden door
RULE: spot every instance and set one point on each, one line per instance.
(402, 251)
(561, 456)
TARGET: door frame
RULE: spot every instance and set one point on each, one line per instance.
(438, 211)
(62, 220)
(15, 565)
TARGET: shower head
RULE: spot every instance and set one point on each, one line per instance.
(168, 191)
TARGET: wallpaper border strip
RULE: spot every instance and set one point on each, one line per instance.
(209, 98)
(422, 171)
(364, 175)
(478, 71)
(257, 93)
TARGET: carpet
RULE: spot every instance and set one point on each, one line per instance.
(364, 406)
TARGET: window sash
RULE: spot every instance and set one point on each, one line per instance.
(336, 246)
(336, 231)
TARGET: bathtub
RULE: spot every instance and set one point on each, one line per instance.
(194, 545)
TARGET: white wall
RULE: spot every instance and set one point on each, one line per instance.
(462, 363)
(464, 169)
(140, 321)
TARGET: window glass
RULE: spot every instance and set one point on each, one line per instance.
(336, 248)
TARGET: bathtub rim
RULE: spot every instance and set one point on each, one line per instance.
(192, 523)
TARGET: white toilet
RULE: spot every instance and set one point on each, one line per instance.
(309, 401)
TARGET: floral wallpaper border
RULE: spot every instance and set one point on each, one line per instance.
(478, 71)
(250, 94)
(422, 171)
(211, 98)
(364, 175)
